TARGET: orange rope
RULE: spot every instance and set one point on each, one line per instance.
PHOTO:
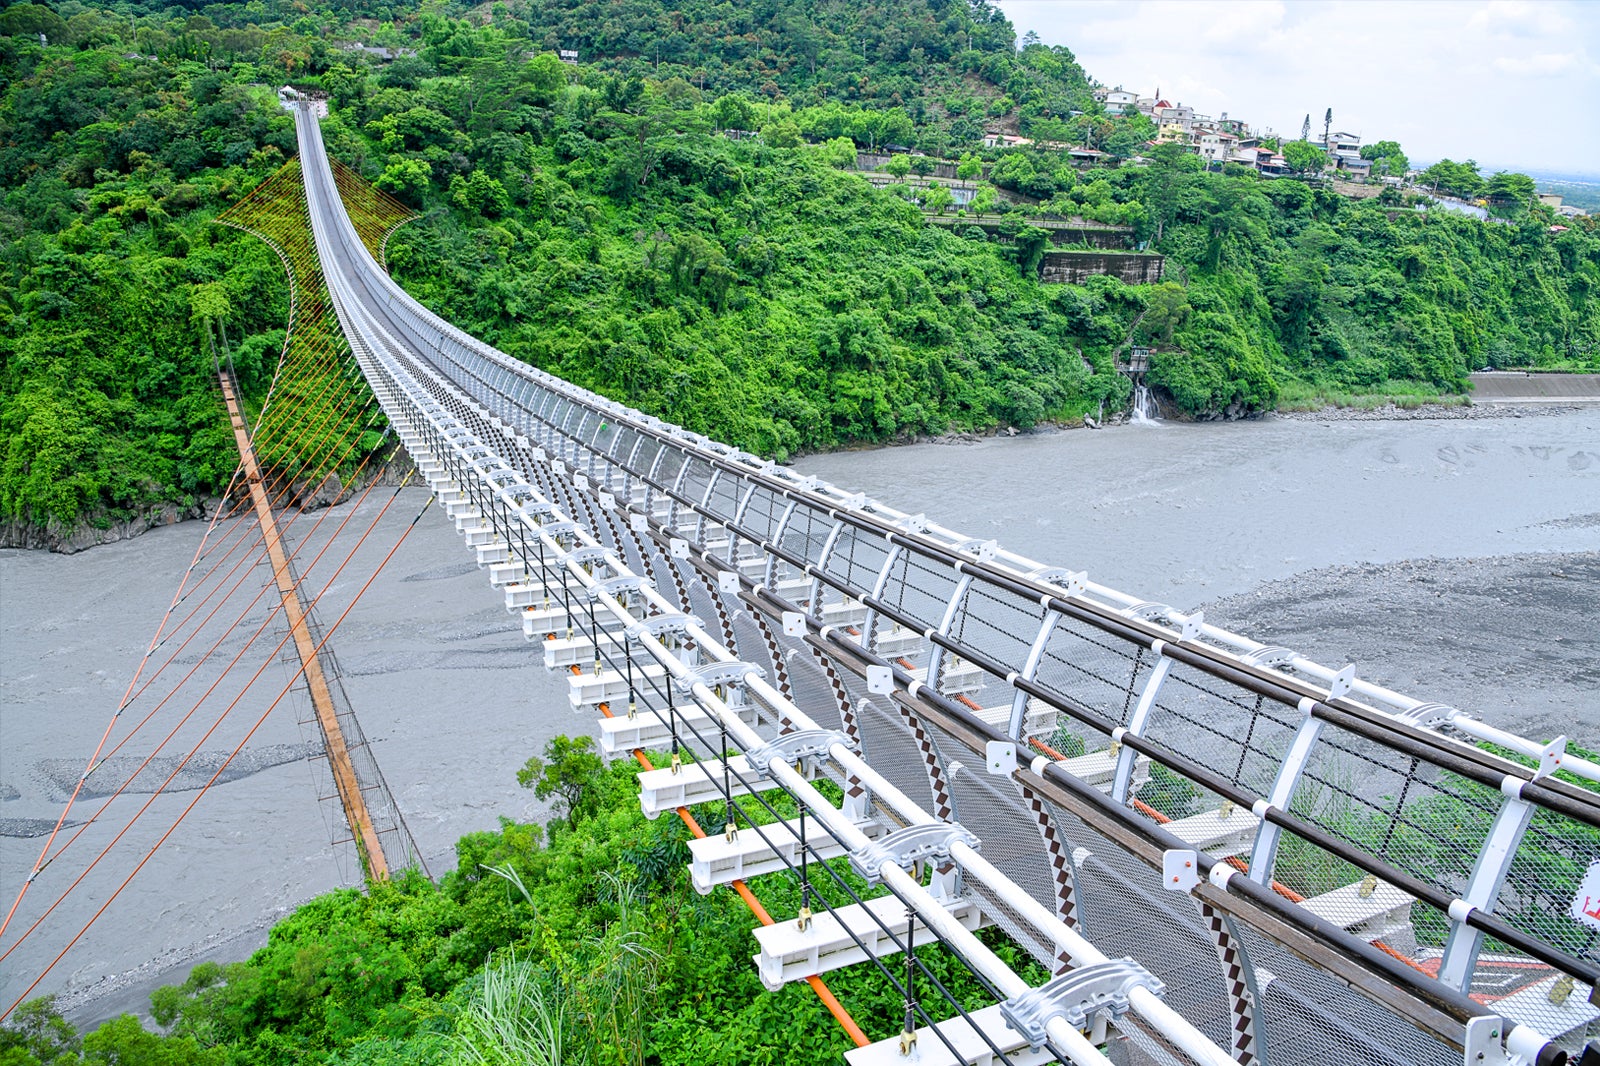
(130, 694)
(218, 773)
(178, 687)
(205, 658)
(215, 725)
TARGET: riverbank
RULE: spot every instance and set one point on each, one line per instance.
(1391, 412)
(1571, 390)
(1505, 394)
(103, 529)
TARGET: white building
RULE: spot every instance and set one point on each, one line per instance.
(1119, 98)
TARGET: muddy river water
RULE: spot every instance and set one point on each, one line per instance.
(1389, 540)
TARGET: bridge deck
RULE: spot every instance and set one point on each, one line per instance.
(1225, 722)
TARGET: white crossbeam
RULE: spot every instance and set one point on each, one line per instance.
(829, 942)
(715, 860)
(971, 1049)
(667, 789)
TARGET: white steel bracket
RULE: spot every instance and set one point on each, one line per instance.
(1030, 670)
(1489, 874)
(717, 675)
(908, 846)
(935, 649)
(1484, 1042)
(1137, 723)
(793, 747)
(1082, 998)
(612, 586)
(660, 625)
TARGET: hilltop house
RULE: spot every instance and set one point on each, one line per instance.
(1344, 152)
(1174, 121)
(1116, 100)
(1216, 146)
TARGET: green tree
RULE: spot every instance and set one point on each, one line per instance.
(1386, 157)
(1031, 244)
(936, 198)
(545, 76)
(36, 1032)
(898, 166)
(567, 772)
(122, 1041)
(734, 112)
(1456, 179)
(1303, 158)
(784, 134)
(839, 153)
(1510, 188)
(970, 167)
(406, 178)
(1166, 308)
(30, 20)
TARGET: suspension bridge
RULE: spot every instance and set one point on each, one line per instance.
(1222, 851)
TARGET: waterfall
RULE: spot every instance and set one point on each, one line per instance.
(1144, 408)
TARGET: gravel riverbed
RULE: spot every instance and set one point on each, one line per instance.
(1514, 640)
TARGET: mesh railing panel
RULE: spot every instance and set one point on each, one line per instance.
(857, 558)
(1235, 733)
(696, 479)
(1083, 665)
(1310, 1019)
(920, 589)
(762, 513)
(1426, 821)
(1127, 912)
(1543, 881)
(1000, 624)
(893, 751)
(806, 532)
(724, 498)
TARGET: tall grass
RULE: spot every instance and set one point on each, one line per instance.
(1304, 396)
(584, 1007)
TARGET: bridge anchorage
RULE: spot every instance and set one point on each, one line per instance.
(1224, 852)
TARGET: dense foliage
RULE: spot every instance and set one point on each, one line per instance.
(619, 224)
(112, 166)
(594, 935)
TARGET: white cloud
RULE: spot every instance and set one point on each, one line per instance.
(1544, 65)
(1520, 18)
(1450, 78)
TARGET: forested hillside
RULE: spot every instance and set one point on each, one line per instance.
(675, 222)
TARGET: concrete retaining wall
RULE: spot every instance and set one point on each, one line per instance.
(1500, 386)
(1072, 268)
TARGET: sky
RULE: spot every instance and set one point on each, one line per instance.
(1508, 83)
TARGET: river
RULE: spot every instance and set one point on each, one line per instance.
(1321, 529)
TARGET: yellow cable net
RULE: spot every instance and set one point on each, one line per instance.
(317, 421)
